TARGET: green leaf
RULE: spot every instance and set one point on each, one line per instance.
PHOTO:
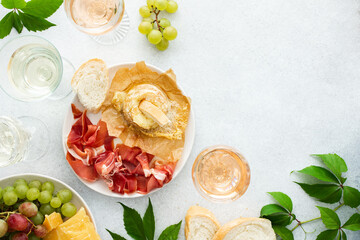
(133, 223)
(283, 232)
(279, 219)
(283, 199)
(115, 236)
(330, 218)
(6, 25)
(272, 208)
(343, 235)
(42, 8)
(351, 197)
(335, 163)
(33, 23)
(327, 235)
(17, 23)
(320, 173)
(327, 193)
(171, 232)
(353, 223)
(149, 222)
(11, 4)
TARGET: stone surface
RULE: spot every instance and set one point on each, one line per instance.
(279, 80)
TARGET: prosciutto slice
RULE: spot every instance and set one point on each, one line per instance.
(126, 170)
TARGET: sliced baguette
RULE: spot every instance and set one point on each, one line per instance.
(91, 83)
(246, 228)
(200, 224)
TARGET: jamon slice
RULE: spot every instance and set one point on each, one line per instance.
(87, 173)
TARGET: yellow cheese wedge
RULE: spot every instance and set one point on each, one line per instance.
(153, 112)
(52, 221)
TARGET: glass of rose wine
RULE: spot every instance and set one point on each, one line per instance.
(105, 20)
(221, 174)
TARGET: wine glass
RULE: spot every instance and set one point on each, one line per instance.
(106, 20)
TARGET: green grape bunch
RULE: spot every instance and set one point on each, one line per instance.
(158, 31)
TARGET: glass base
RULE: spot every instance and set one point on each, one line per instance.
(39, 138)
(116, 35)
(64, 88)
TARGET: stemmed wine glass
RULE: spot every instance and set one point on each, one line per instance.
(106, 20)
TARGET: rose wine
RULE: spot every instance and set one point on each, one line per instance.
(95, 16)
(221, 173)
(35, 70)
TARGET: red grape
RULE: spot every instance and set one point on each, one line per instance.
(28, 228)
(3, 228)
(20, 236)
(40, 231)
(17, 222)
(28, 209)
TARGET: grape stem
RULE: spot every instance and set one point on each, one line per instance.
(157, 12)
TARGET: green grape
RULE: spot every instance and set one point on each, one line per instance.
(10, 198)
(172, 6)
(161, 4)
(145, 11)
(19, 181)
(32, 236)
(55, 202)
(164, 22)
(32, 194)
(35, 184)
(145, 27)
(162, 45)
(148, 19)
(65, 195)
(68, 210)
(46, 209)
(38, 218)
(48, 186)
(150, 3)
(45, 197)
(9, 188)
(170, 33)
(1, 193)
(21, 190)
(154, 36)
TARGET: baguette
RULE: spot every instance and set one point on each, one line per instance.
(200, 224)
(91, 83)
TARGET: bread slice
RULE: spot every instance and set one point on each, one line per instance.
(246, 228)
(91, 83)
(200, 224)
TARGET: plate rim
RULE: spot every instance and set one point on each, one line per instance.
(176, 173)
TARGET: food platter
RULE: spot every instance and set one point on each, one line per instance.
(77, 200)
(100, 186)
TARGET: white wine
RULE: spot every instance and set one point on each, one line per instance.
(14, 141)
(221, 173)
(96, 16)
(35, 70)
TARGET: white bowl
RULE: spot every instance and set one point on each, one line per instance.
(77, 200)
(100, 186)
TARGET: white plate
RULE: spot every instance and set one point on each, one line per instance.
(100, 186)
(77, 200)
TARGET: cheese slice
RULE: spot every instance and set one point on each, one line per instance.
(153, 112)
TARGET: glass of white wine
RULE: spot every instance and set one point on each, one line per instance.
(106, 20)
(31, 69)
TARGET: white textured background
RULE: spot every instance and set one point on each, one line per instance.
(279, 80)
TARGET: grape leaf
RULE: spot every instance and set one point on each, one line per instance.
(11, 4)
(33, 23)
(353, 223)
(133, 223)
(17, 23)
(283, 199)
(149, 222)
(351, 197)
(335, 163)
(272, 208)
(327, 193)
(279, 219)
(6, 25)
(115, 236)
(171, 232)
(343, 235)
(320, 173)
(329, 218)
(42, 8)
(283, 232)
(327, 235)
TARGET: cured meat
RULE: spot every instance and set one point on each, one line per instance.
(126, 170)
